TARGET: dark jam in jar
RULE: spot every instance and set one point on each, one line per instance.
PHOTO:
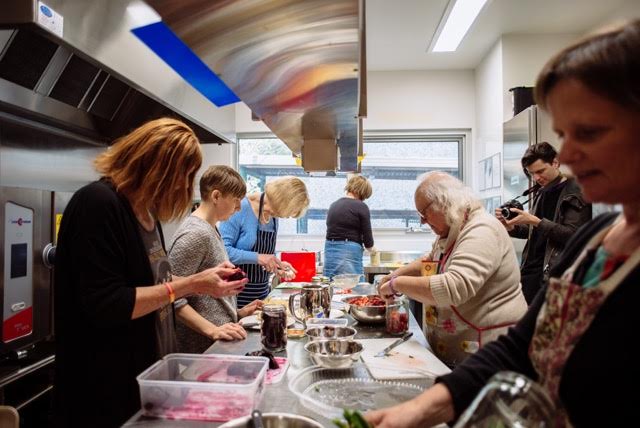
(274, 328)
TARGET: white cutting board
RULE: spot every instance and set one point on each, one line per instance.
(410, 360)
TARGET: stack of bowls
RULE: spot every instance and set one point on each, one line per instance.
(334, 353)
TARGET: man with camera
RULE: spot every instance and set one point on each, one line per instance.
(557, 211)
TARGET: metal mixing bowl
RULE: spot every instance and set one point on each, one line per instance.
(366, 314)
(334, 353)
(329, 332)
(275, 420)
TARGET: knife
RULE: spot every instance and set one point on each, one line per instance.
(385, 351)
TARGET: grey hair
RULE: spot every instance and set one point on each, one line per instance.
(449, 195)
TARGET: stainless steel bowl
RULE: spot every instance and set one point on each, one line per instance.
(366, 314)
(275, 420)
(330, 332)
(334, 353)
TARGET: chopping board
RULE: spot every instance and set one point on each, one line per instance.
(410, 360)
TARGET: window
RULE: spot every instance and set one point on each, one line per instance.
(392, 163)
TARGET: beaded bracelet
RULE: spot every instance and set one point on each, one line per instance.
(393, 290)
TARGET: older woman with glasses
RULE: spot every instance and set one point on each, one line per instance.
(475, 294)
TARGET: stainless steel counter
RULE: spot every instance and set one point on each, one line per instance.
(278, 397)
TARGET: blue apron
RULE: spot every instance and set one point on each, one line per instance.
(258, 285)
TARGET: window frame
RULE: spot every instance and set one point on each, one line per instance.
(460, 136)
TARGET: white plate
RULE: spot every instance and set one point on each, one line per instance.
(254, 322)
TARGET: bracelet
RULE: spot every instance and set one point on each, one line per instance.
(172, 294)
(393, 290)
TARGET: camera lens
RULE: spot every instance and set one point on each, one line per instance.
(506, 213)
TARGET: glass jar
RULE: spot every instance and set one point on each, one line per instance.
(509, 400)
(397, 316)
(274, 328)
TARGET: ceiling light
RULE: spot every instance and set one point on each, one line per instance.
(455, 23)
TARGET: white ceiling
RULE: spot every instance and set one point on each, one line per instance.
(400, 31)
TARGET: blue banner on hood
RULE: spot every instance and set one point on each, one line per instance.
(161, 40)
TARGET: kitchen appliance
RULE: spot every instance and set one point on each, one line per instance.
(25, 284)
(530, 126)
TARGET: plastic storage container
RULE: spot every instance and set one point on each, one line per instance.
(207, 387)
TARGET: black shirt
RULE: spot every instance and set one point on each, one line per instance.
(100, 260)
(349, 219)
(547, 199)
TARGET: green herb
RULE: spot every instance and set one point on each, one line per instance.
(353, 418)
(317, 389)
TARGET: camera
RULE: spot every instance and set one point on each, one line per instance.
(504, 208)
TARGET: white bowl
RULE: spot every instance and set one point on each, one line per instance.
(346, 281)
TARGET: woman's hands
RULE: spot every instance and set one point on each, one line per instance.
(250, 308)
(228, 331)
(269, 262)
(213, 281)
(432, 407)
(286, 271)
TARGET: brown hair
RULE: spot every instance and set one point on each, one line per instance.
(287, 197)
(607, 63)
(155, 165)
(224, 179)
(359, 186)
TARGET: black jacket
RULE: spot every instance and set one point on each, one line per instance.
(100, 259)
(571, 213)
(602, 367)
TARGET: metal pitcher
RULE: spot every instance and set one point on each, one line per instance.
(315, 301)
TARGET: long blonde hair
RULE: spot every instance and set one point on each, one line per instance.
(155, 166)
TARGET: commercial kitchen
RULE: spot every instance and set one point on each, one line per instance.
(316, 89)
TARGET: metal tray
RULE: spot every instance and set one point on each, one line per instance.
(328, 391)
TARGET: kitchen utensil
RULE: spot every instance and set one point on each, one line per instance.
(315, 300)
(334, 353)
(275, 420)
(366, 314)
(409, 360)
(329, 332)
(388, 349)
(328, 391)
(256, 419)
(346, 281)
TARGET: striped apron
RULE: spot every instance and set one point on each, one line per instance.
(258, 285)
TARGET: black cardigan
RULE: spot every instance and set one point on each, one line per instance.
(601, 367)
(100, 259)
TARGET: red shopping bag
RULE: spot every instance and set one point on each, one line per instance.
(302, 261)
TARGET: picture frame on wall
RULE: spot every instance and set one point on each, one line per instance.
(490, 174)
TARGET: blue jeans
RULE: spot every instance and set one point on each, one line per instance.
(342, 257)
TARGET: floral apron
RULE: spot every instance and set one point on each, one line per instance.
(452, 337)
(566, 314)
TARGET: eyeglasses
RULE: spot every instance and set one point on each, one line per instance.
(422, 213)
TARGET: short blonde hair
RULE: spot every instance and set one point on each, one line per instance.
(287, 197)
(224, 179)
(155, 164)
(359, 186)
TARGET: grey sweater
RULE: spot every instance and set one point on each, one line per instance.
(198, 246)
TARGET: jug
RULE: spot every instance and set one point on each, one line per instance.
(509, 400)
(315, 302)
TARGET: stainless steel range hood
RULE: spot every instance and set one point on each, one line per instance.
(88, 73)
(298, 64)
